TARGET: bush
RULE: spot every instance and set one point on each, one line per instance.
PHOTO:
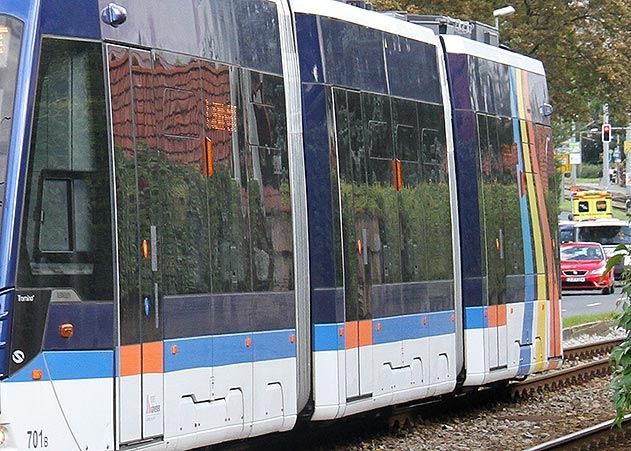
(591, 171)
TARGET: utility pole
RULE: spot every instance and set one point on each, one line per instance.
(605, 179)
(572, 143)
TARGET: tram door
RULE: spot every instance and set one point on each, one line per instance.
(491, 165)
(136, 155)
(356, 231)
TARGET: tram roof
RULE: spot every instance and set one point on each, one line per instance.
(461, 45)
(371, 19)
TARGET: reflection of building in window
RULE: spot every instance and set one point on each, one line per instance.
(221, 116)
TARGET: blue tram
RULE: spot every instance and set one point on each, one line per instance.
(220, 216)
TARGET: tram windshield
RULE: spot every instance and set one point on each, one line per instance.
(10, 38)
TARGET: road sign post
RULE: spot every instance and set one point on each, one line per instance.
(605, 180)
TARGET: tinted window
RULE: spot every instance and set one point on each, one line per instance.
(490, 86)
(538, 95)
(259, 39)
(66, 231)
(353, 55)
(10, 38)
(412, 69)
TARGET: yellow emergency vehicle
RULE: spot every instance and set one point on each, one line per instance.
(591, 205)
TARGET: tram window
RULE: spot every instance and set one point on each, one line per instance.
(10, 37)
(66, 231)
(378, 138)
(431, 146)
(353, 55)
(412, 69)
(259, 43)
(357, 139)
(407, 144)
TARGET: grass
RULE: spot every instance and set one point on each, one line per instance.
(584, 319)
(586, 180)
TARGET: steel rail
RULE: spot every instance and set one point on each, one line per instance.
(590, 349)
(593, 437)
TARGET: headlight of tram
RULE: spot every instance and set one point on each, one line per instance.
(3, 434)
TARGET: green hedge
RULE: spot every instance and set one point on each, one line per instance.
(591, 171)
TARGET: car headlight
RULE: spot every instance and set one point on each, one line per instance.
(597, 272)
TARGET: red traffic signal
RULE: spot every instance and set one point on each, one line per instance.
(606, 133)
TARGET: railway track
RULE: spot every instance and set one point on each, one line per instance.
(591, 349)
(571, 375)
(600, 436)
(400, 417)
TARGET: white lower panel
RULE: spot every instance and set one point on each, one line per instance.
(239, 401)
(442, 364)
(129, 408)
(34, 419)
(152, 405)
(352, 372)
(366, 368)
(329, 383)
(490, 338)
(401, 371)
(476, 356)
(514, 335)
(275, 395)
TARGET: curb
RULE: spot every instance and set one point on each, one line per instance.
(597, 327)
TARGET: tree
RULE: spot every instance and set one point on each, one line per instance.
(621, 355)
(582, 43)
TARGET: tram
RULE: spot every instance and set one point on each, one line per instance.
(220, 218)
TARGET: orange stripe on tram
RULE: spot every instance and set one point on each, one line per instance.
(351, 334)
(153, 357)
(129, 360)
(365, 332)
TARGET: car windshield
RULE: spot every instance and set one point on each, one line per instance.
(566, 234)
(606, 235)
(10, 38)
(581, 253)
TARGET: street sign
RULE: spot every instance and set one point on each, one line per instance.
(565, 166)
(627, 147)
(575, 152)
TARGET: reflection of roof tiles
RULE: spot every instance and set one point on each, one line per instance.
(173, 97)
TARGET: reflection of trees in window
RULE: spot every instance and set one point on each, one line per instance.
(392, 236)
(268, 183)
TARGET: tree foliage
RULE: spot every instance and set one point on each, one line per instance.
(582, 43)
(621, 355)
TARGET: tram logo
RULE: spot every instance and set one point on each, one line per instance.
(26, 297)
(18, 356)
(153, 405)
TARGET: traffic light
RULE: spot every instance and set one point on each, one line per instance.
(606, 133)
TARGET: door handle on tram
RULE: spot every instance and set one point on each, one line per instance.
(154, 249)
(156, 305)
(365, 246)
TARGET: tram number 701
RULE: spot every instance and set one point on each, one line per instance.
(37, 439)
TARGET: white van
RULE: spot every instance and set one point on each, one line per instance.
(608, 232)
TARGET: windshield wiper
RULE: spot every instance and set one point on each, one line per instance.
(6, 118)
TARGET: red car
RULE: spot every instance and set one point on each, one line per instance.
(583, 266)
